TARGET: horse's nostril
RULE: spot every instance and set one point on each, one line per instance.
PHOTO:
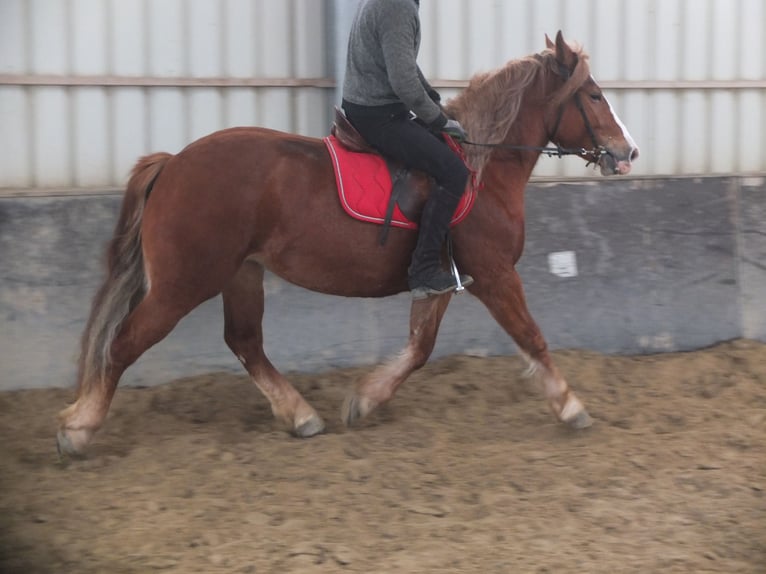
(634, 154)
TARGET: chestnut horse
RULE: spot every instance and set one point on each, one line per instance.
(210, 219)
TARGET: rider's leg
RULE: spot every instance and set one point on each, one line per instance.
(410, 143)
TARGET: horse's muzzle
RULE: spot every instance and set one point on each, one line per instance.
(616, 162)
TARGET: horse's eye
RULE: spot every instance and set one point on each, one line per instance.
(595, 97)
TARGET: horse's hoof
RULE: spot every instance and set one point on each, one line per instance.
(355, 408)
(71, 443)
(581, 420)
(311, 427)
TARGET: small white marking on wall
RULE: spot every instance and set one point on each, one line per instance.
(563, 263)
(659, 342)
(752, 182)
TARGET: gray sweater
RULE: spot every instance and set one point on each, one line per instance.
(382, 68)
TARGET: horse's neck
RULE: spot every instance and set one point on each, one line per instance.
(527, 131)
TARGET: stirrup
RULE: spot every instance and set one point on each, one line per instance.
(459, 283)
(441, 284)
(453, 266)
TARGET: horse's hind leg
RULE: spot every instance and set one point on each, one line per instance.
(145, 326)
(504, 297)
(380, 385)
(243, 313)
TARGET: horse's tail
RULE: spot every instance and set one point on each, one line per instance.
(125, 284)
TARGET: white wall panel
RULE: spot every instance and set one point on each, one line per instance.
(88, 38)
(15, 138)
(51, 137)
(130, 138)
(91, 136)
(203, 47)
(721, 141)
(13, 37)
(306, 119)
(239, 107)
(693, 131)
(167, 117)
(205, 112)
(167, 35)
(662, 149)
(274, 108)
(513, 21)
(450, 40)
(483, 36)
(609, 42)
(48, 29)
(668, 31)
(275, 39)
(239, 41)
(697, 45)
(638, 43)
(751, 131)
(723, 55)
(751, 26)
(128, 35)
(310, 53)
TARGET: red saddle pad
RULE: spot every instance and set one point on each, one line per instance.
(364, 187)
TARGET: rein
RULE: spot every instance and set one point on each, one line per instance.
(550, 151)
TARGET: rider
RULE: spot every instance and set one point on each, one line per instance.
(383, 84)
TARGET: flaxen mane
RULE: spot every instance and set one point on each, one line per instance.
(490, 104)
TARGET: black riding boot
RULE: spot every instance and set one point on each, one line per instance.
(426, 274)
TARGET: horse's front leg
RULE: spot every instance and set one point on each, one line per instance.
(380, 385)
(504, 297)
(243, 307)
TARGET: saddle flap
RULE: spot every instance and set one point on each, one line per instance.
(411, 190)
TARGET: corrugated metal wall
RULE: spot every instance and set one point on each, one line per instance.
(89, 85)
(86, 86)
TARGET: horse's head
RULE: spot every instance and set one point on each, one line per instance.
(580, 116)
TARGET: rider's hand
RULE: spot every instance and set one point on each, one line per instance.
(453, 129)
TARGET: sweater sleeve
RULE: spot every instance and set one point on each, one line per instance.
(397, 32)
(432, 93)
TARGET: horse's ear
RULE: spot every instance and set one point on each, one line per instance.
(564, 53)
(549, 43)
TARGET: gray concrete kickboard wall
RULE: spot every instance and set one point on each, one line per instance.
(662, 265)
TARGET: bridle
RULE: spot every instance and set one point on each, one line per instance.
(558, 151)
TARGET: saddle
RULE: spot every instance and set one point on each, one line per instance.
(409, 189)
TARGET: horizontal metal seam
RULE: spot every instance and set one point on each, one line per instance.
(223, 82)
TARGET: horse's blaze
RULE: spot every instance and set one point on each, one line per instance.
(629, 153)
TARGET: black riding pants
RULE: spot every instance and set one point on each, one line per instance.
(398, 137)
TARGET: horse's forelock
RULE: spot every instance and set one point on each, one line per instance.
(578, 76)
